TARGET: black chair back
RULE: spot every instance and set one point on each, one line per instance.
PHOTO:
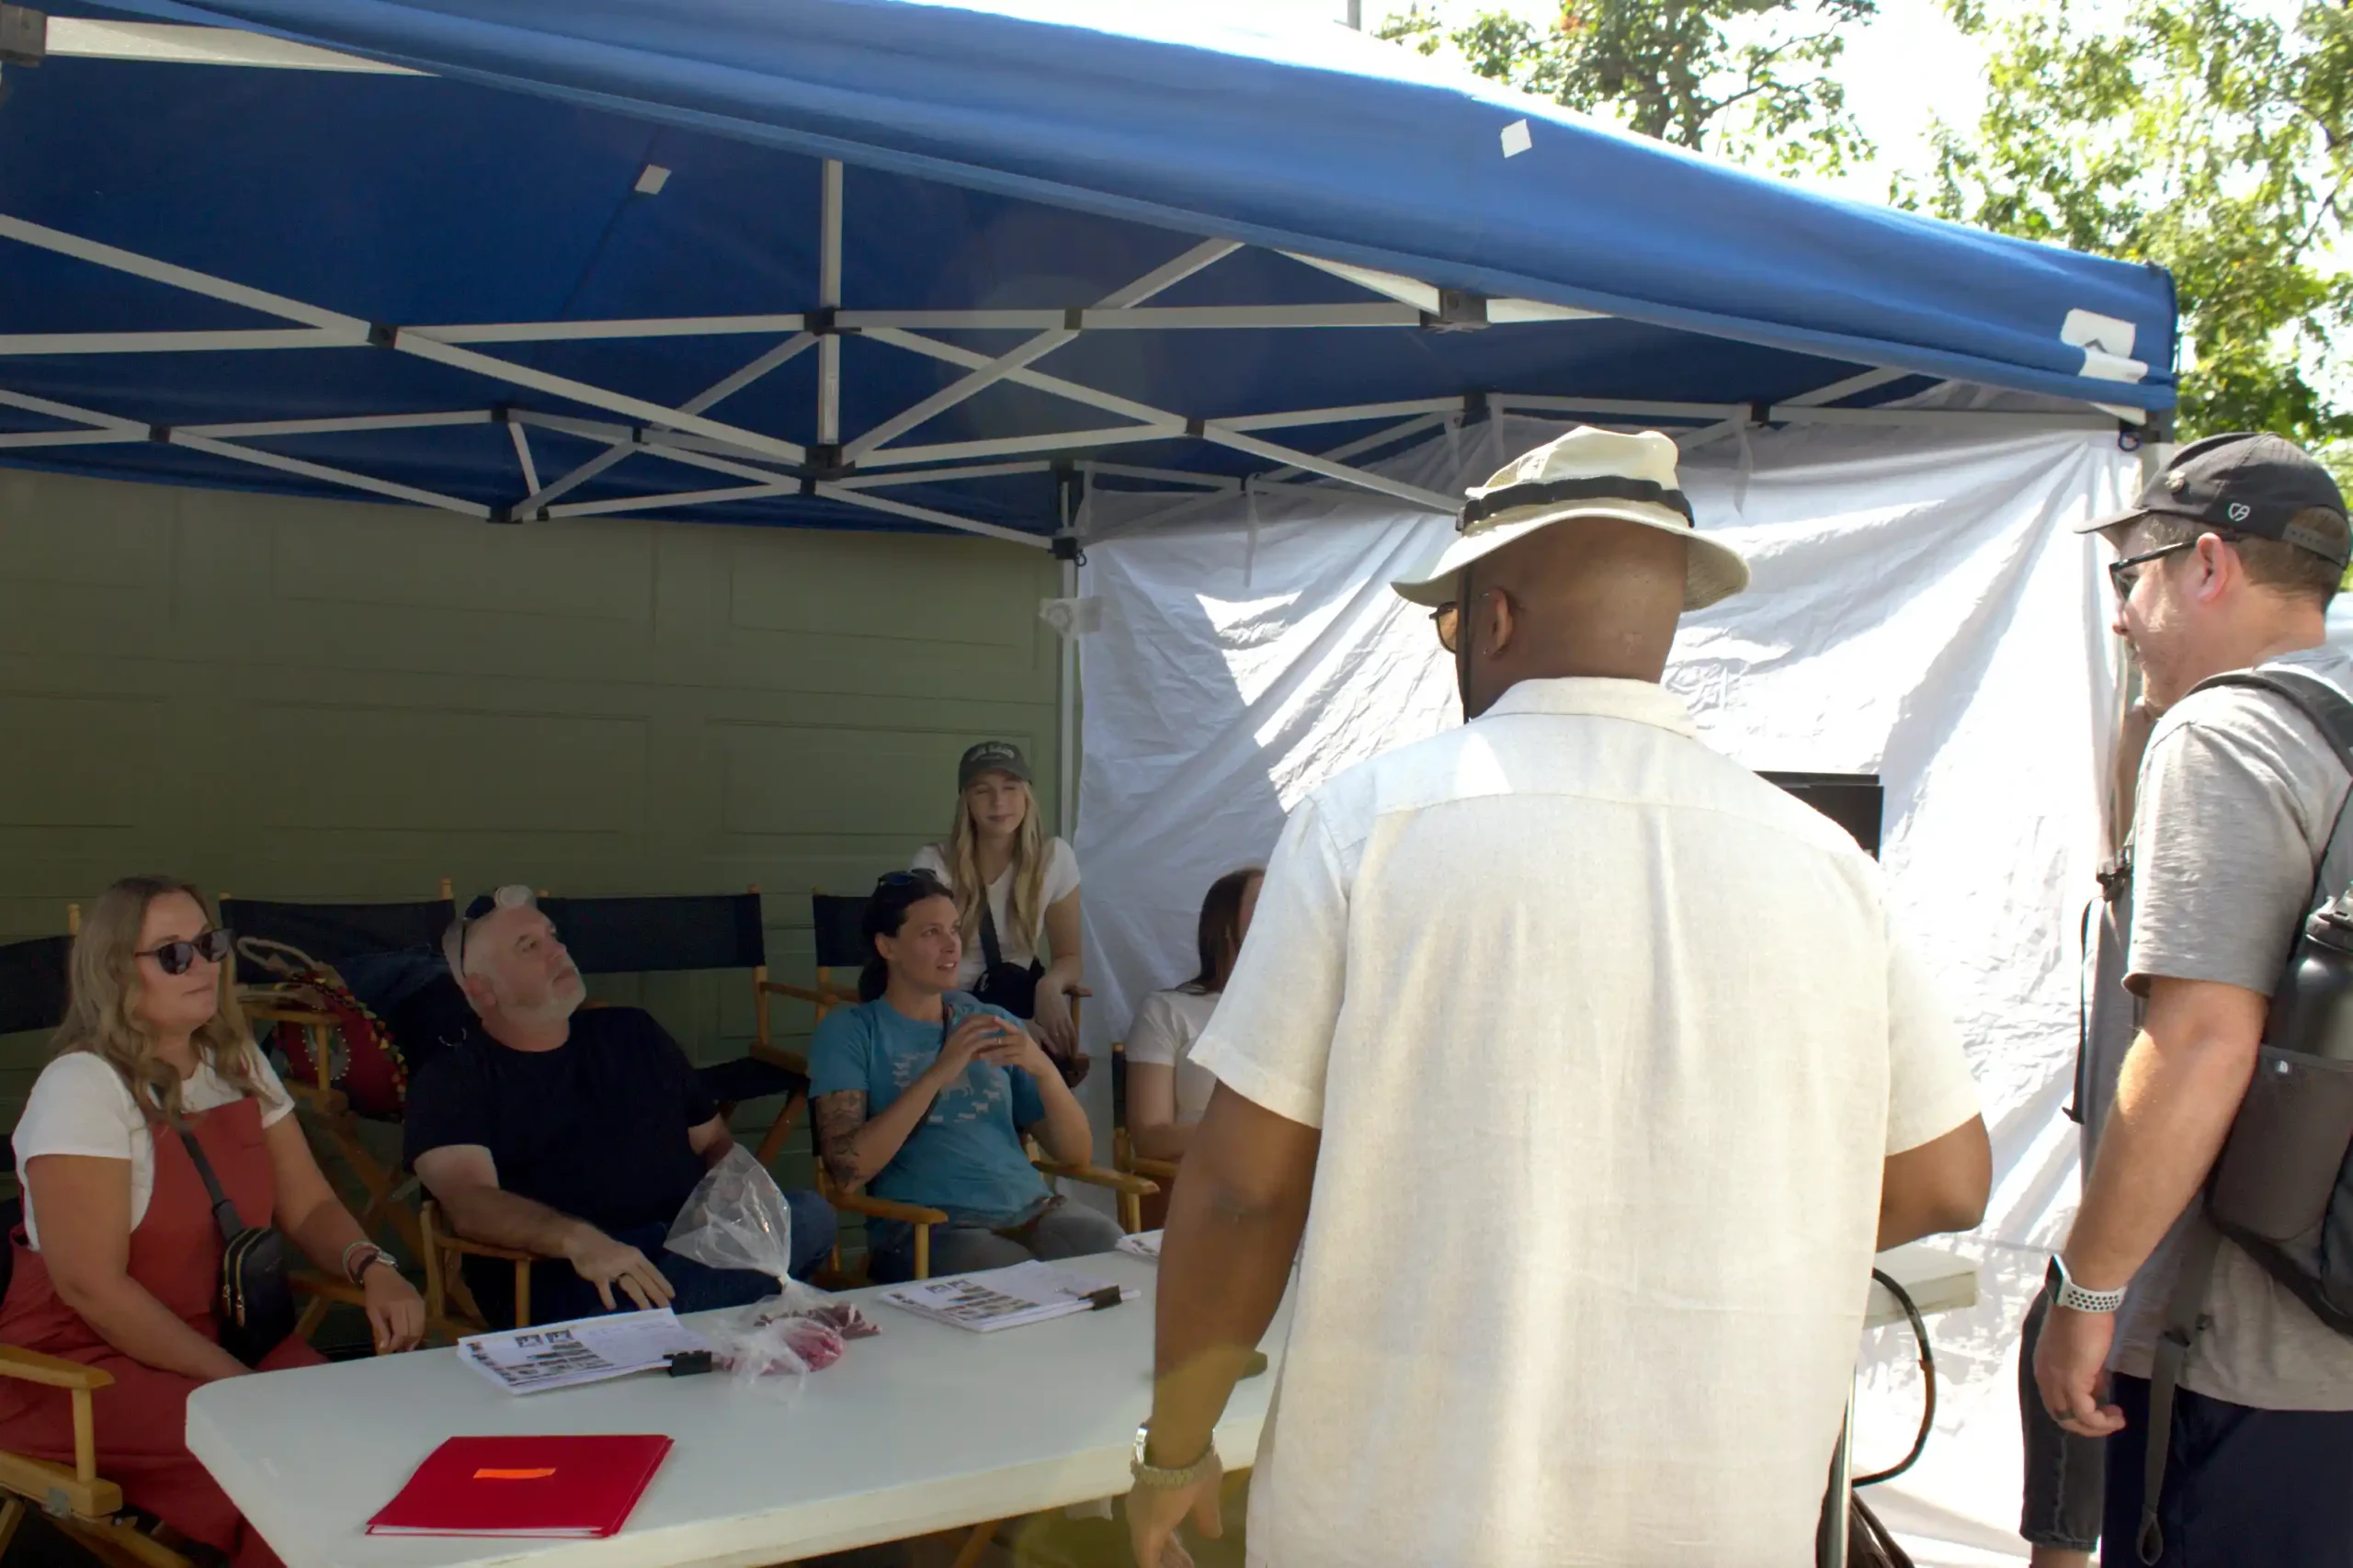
(839, 930)
(653, 936)
(336, 933)
(33, 985)
(1853, 800)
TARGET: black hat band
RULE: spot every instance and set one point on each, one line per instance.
(1551, 492)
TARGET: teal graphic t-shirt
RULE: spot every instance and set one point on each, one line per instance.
(966, 1157)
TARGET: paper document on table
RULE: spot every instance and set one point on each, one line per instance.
(1006, 1298)
(1144, 1244)
(561, 1355)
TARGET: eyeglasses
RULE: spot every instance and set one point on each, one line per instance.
(2122, 575)
(1447, 620)
(514, 896)
(175, 957)
(910, 879)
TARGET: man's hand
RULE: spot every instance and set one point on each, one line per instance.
(605, 1263)
(396, 1312)
(2071, 1371)
(1154, 1512)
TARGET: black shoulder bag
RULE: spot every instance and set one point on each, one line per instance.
(1015, 989)
(1004, 984)
(257, 1303)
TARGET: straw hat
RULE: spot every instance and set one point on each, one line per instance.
(1585, 474)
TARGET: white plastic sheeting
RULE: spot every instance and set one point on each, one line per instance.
(1921, 611)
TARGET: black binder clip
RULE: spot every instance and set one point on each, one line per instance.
(1107, 1297)
(686, 1363)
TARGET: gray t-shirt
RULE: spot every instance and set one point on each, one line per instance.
(2238, 797)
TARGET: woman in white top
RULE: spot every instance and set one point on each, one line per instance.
(997, 846)
(1167, 1093)
(118, 1262)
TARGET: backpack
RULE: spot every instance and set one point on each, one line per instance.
(2282, 1188)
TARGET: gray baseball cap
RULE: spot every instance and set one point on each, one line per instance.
(991, 756)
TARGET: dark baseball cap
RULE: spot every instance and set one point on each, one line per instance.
(991, 756)
(2242, 483)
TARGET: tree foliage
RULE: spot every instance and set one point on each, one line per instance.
(1749, 78)
(2201, 135)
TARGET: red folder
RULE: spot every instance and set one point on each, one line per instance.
(583, 1486)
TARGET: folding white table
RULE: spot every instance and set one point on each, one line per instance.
(923, 1428)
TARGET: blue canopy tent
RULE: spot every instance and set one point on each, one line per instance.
(870, 263)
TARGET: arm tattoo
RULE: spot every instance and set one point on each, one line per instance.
(839, 1116)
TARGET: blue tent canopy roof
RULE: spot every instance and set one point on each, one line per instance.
(604, 160)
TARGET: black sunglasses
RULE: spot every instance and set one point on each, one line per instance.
(1448, 621)
(174, 958)
(909, 880)
(2122, 575)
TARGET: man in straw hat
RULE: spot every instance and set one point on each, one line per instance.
(1585, 1064)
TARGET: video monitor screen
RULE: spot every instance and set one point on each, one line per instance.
(1853, 800)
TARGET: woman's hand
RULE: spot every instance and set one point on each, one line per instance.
(1053, 1021)
(396, 1312)
(1013, 1046)
(967, 1043)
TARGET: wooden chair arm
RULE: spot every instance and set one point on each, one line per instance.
(464, 1248)
(1096, 1176)
(885, 1209)
(1159, 1170)
(51, 1371)
(275, 1013)
(815, 997)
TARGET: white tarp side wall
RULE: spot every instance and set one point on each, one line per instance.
(1921, 611)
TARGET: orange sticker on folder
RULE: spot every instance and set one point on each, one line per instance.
(513, 1474)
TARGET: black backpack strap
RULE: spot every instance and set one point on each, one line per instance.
(2316, 699)
(2185, 1321)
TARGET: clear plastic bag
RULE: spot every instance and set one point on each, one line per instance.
(737, 1218)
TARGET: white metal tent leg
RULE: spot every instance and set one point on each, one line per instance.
(829, 297)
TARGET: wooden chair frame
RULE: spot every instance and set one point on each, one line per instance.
(1124, 1157)
(445, 1281)
(82, 1503)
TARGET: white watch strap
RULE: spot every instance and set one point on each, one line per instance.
(2075, 1298)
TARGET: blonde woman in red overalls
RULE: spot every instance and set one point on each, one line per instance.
(118, 1262)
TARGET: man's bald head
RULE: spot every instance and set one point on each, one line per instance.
(1584, 597)
(514, 968)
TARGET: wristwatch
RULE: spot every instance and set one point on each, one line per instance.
(1160, 1478)
(2075, 1298)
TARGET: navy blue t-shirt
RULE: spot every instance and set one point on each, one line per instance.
(595, 1129)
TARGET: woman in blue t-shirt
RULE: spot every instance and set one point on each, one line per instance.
(922, 1095)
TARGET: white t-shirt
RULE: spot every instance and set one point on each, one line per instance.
(81, 1106)
(1162, 1035)
(1020, 947)
(1608, 1039)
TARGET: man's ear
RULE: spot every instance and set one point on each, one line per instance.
(2218, 564)
(478, 992)
(1506, 621)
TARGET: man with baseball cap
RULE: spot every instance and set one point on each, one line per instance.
(1548, 1040)
(2226, 1406)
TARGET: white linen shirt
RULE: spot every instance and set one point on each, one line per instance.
(1608, 1039)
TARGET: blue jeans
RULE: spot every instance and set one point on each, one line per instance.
(1062, 1231)
(559, 1294)
(2242, 1486)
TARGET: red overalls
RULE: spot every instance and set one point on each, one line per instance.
(143, 1420)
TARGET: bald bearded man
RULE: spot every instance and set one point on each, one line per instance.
(1589, 1069)
(575, 1135)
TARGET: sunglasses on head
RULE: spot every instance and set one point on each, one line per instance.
(909, 880)
(175, 957)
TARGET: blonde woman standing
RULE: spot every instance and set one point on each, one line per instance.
(117, 1263)
(1017, 895)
